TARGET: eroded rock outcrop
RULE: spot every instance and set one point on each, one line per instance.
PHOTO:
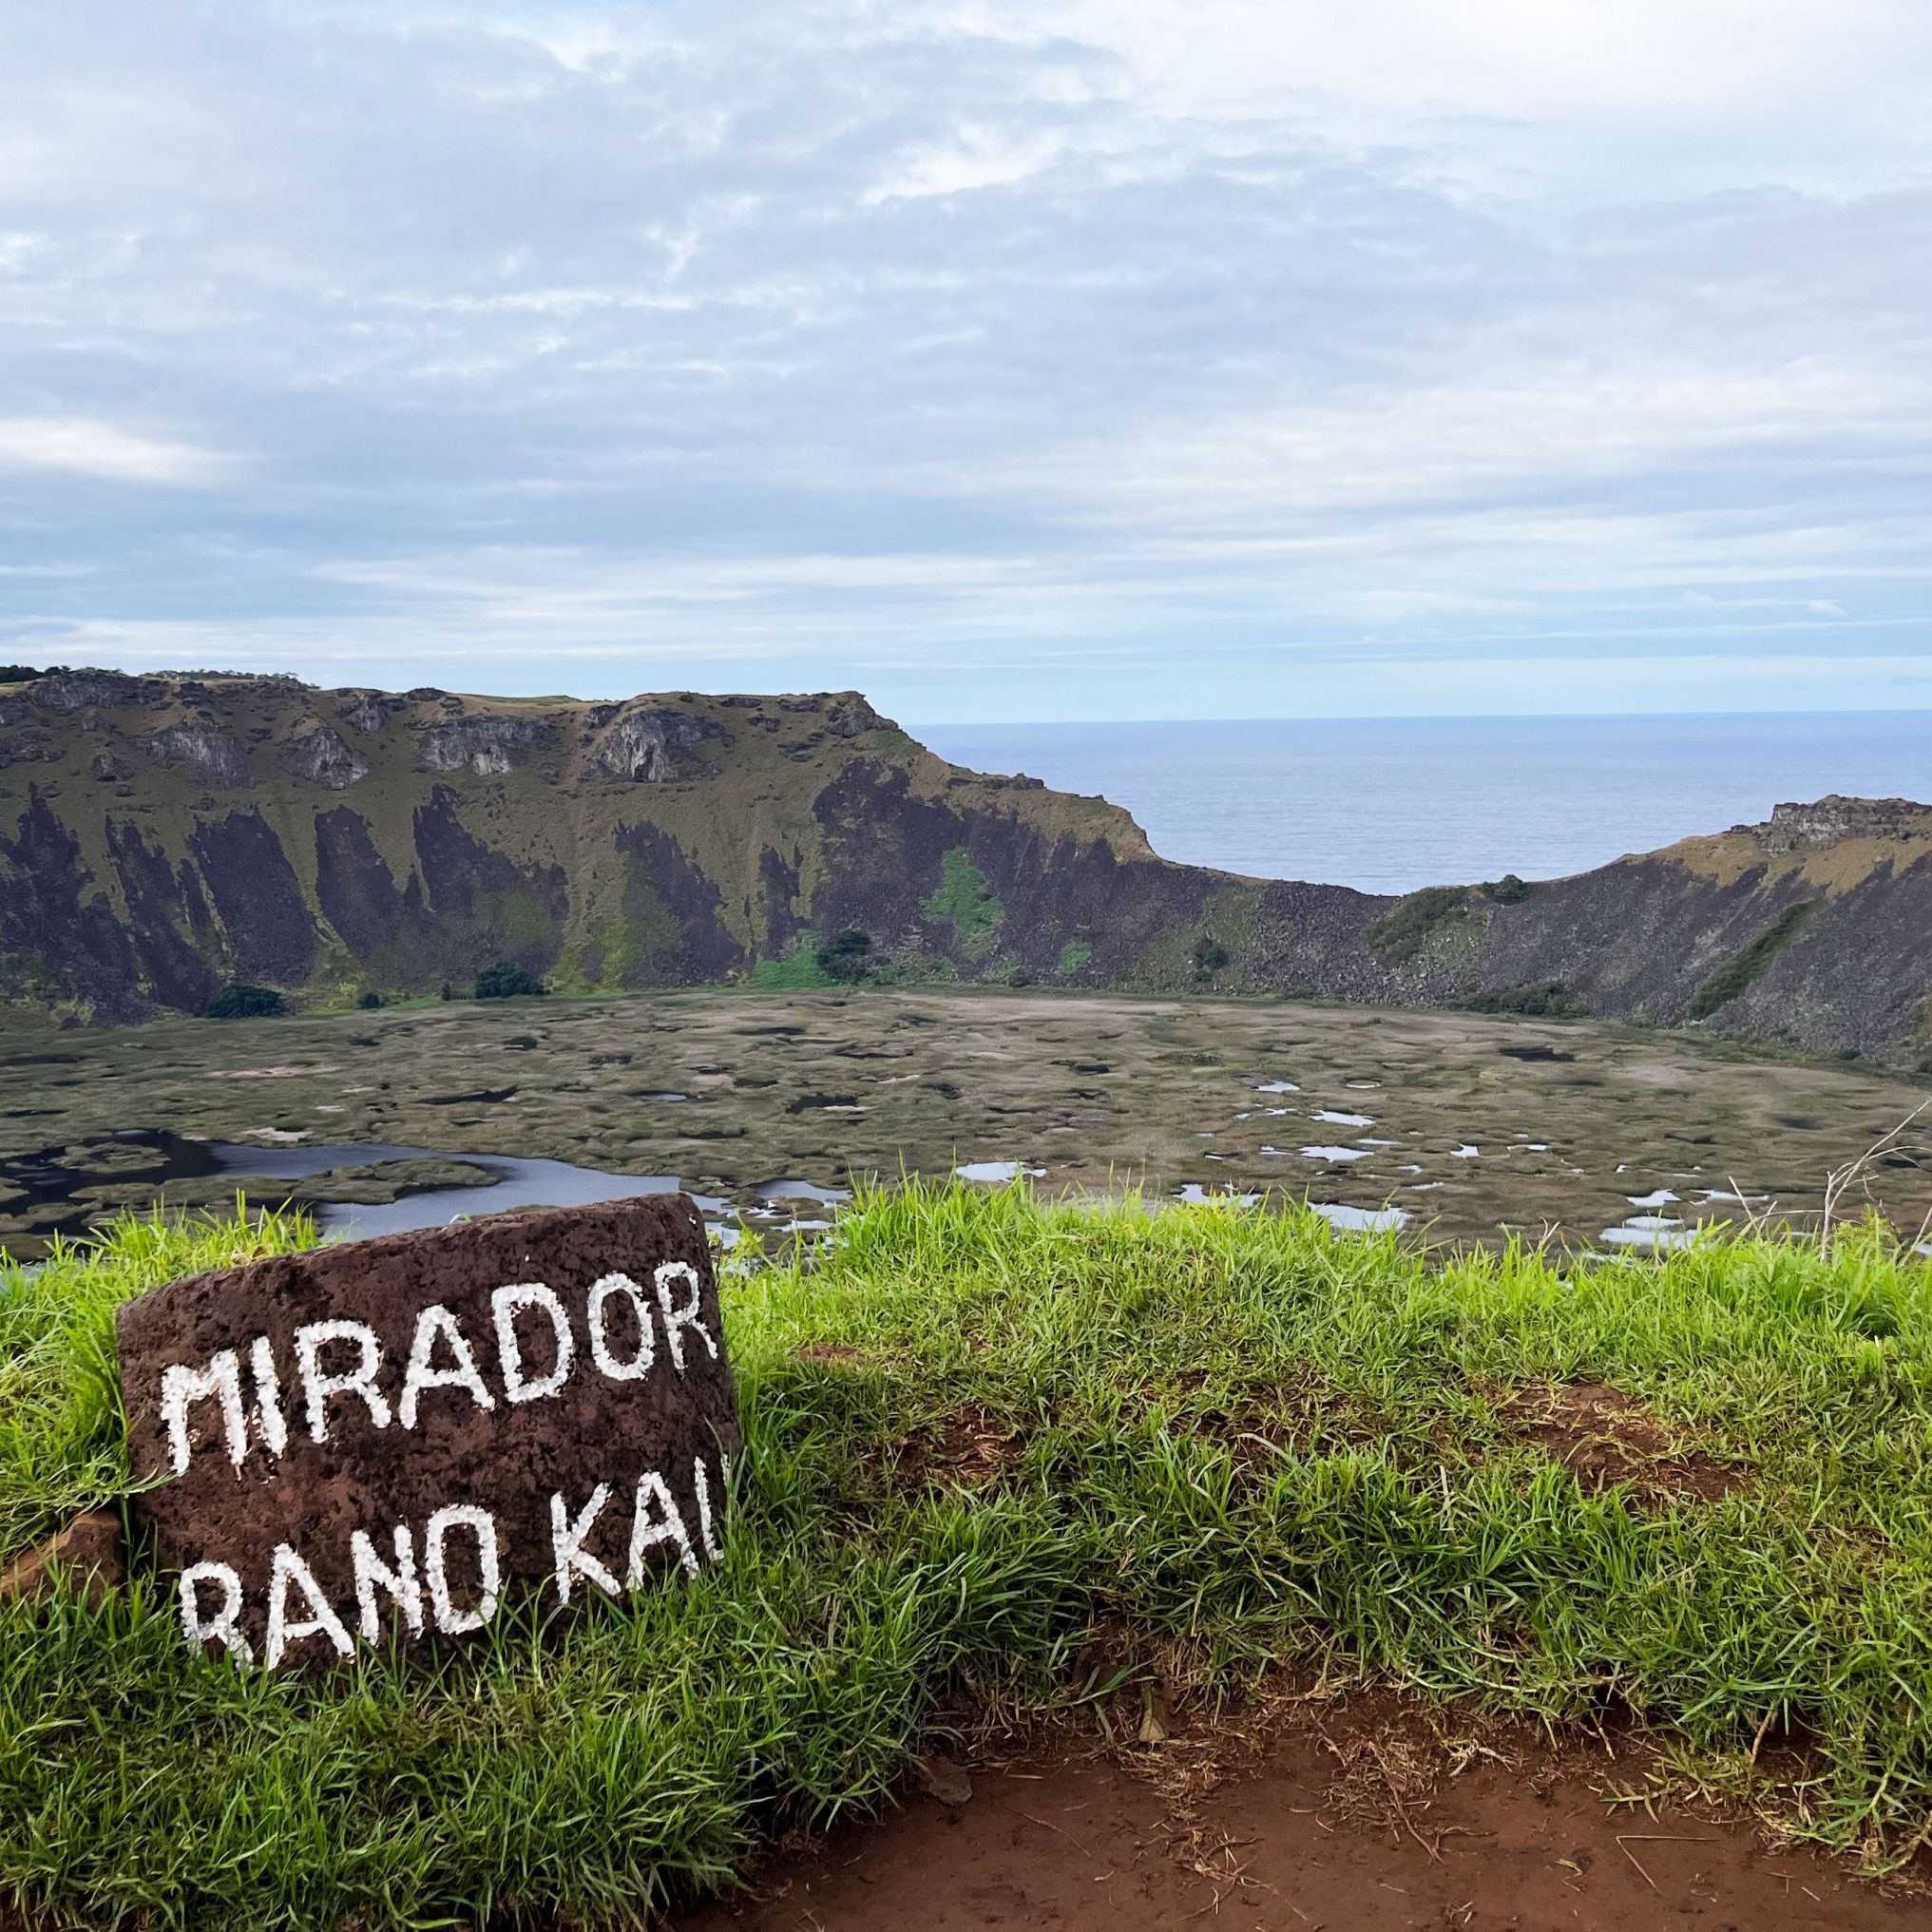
(1834, 820)
(650, 744)
(209, 749)
(26, 748)
(83, 690)
(483, 744)
(368, 711)
(318, 754)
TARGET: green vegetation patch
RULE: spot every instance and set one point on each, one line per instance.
(1402, 932)
(1546, 1000)
(1744, 968)
(965, 902)
(240, 1002)
(800, 970)
(848, 956)
(503, 979)
(986, 1442)
(1207, 956)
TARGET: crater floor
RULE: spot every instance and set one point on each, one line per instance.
(1468, 1126)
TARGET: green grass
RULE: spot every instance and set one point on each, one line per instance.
(1746, 967)
(965, 902)
(60, 1433)
(1402, 931)
(1546, 1000)
(799, 971)
(1238, 1443)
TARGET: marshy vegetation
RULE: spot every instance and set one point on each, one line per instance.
(1004, 1450)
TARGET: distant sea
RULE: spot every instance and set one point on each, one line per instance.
(1389, 805)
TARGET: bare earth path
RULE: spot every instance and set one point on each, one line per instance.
(1331, 1828)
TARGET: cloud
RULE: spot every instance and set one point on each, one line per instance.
(961, 346)
(78, 445)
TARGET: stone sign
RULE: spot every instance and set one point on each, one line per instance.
(391, 1436)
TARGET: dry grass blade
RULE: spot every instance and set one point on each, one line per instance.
(1856, 1173)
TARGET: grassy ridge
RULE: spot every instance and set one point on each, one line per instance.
(994, 1445)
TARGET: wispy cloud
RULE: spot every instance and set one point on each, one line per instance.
(1072, 357)
(79, 446)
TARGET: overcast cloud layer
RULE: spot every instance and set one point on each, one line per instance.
(1069, 358)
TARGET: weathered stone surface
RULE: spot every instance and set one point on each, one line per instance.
(484, 745)
(86, 1553)
(651, 744)
(1832, 820)
(85, 688)
(315, 752)
(209, 749)
(368, 711)
(26, 748)
(397, 1435)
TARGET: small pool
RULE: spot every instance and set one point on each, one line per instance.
(996, 1173)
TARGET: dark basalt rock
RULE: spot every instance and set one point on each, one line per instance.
(167, 920)
(844, 714)
(531, 1403)
(484, 745)
(674, 913)
(316, 752)
(209, 749)
(257, 898)
(26, 748)
(486, 906)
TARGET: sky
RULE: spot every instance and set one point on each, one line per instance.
(1058, 360)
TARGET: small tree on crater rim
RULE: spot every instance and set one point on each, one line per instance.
(503, 979)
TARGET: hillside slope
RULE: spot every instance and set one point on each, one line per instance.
(161, 836)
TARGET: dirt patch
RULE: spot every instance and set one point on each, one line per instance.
(1605, 1438)
(1365, 1815)
(969, 1447)
(832, 1354)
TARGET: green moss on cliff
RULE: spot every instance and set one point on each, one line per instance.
(1744, 968)
(1402, 932)
(964, 902)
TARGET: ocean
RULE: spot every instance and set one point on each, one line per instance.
(1387, 805)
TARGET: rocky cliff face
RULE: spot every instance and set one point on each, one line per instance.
(161, 836)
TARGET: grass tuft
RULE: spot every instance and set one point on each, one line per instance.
(989, 1440)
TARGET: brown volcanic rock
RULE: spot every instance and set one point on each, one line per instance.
(361, 1423)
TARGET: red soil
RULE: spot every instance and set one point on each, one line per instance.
(1355, 1822)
